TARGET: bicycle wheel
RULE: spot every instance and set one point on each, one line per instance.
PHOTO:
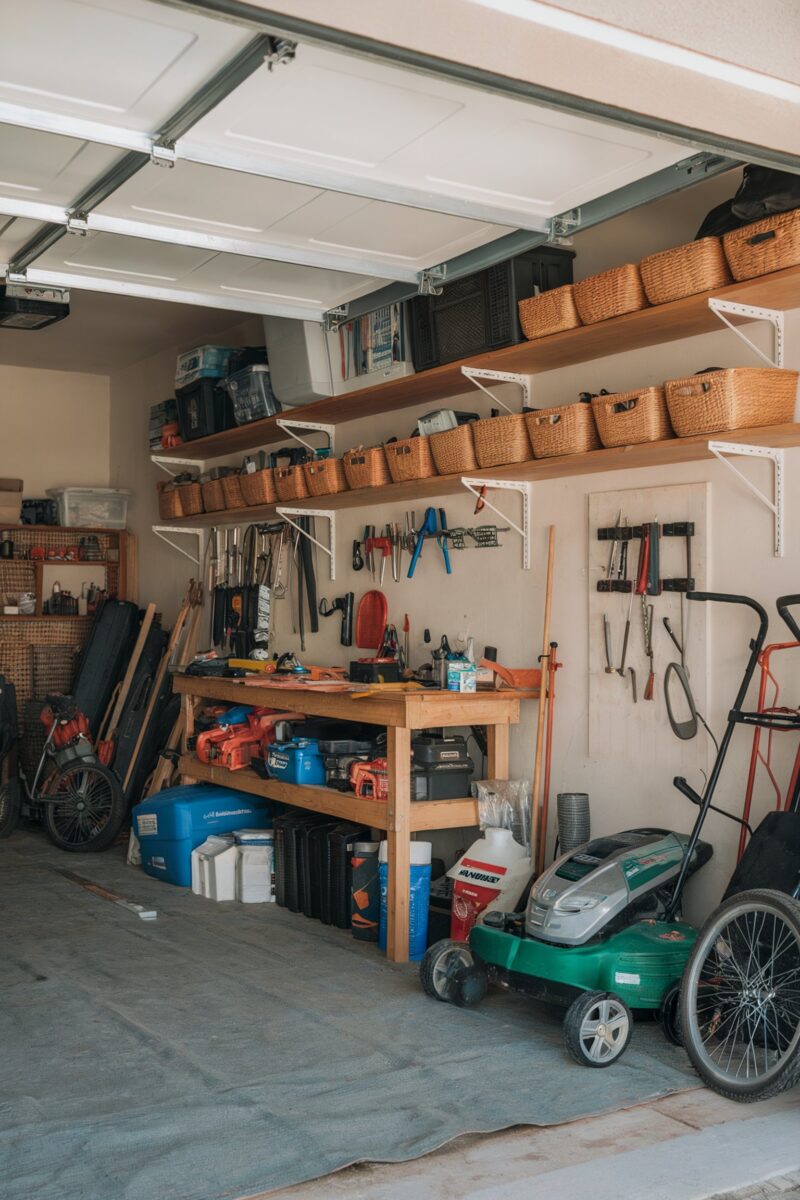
(90, 809)
(740, 997)
(10, 803)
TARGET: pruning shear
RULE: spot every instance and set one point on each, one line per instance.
(430, 528)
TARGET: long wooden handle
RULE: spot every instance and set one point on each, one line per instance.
(163, 666)
(537, 761)
(133, 663)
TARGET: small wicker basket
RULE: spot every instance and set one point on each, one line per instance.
(610, 294)
(232, 491)
(765, 246)
(213, 495)
(410, 458)
(568, 429)
(366, 467)
(258, 487)
(502, 439)
(629, 418)
(685, 270)
(325, 476)
(737, 398)
(169, 501)
(290, 483)
(550, 312)
(191, 497)
(453, 450)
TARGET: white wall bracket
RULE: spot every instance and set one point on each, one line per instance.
(166, 464)
(773, 315)
(776, 505)
(329, 515)
(476, 374)
(476, 486)
(289, 427)
(161, 531)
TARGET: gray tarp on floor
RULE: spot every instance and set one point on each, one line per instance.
(227, 1049)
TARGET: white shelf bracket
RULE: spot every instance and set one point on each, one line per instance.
(776, 505)
(161, 531)
(476, 486)
(773, 315)
(329, 515)
(476, 374)
(289, 428)
(166, 464)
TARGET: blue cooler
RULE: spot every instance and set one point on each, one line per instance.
(297, 761)
(172, 823)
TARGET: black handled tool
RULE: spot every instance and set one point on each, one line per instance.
(344, 605)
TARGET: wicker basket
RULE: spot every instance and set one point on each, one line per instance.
(258, 487)
(290, 483)
(191, 498)
(500, 440)
(568, 429)
(684, 270)
(232, 491)
(169, 501)
(366, 467)
(628, 418)
(453, 450)
(54, 669)
(325, 476)
(213, 495)
(410, 458)
(551, 312)
(610, 294)
(765, 246)
(737, 398)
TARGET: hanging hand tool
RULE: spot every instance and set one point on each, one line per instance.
(358, 561)
(685, 730)
(632, 674)
(406, 642)
(277, 585)
(647, 624)
(615, 549)
(610, 668)
(626, 636)
(429, 528)
(369, 534)
(383, 545)
(344, 605)
(480, 501)
(393, 533)
(443, 540)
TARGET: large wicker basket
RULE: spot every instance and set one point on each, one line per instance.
(628, 418)
(453, 450)
(258, 487)
(213, 495)
(550, 312)
(365, 466)
(768, 245)
(502, 439)
(610, 294)
(232, 491)
(325, 476)
(410, 458)
(685, 270)
(568, 429)
(169, 501)
(737, 398)
(290, 483)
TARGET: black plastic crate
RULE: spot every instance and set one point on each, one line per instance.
(479, 313)
(203, 408)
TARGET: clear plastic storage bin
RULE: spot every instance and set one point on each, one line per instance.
(91, 508)
(204, 362)
(251, 393)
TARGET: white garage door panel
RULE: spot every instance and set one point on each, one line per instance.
(244, 277)
(402, 128)
(126, 62)
(126, 257)
(14, 233)
(391, 231)
(48, 168)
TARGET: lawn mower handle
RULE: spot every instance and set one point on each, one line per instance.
(782, 604)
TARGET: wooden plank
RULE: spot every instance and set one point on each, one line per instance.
(398, 836)
(497, 737)
(633, 331)
(620, 458)
(343, 805)
(446, 814)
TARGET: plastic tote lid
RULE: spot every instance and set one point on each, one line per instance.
(253, 837)
(421, 853)
(365, 847)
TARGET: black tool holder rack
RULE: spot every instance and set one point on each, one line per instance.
(629, 533)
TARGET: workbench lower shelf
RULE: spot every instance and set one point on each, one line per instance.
(425, 814)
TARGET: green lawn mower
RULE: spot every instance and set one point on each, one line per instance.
(601, 932)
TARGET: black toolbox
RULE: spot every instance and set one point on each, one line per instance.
(441, 768)
(339, 754)
(203, 408)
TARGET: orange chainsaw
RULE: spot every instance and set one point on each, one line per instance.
(370, 779)
(235, 746)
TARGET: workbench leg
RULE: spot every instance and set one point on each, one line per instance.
(497, 751)
(399, 837)
(187, 724)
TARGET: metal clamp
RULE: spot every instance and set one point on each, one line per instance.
(334, 317)
(431, 281)
(476, 374)
(287, 513)
(776, 505)
(78, 223)
(288, 426)
(773, 315)
(163, 154)
(476, 486)
(162, 530)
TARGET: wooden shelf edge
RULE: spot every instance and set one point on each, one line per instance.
(443, 814)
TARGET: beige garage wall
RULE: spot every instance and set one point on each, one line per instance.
(54, 428)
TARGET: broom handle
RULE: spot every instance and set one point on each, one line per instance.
(541, 846)
(133, 663)
(543, 663)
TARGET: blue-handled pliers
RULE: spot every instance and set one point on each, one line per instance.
(429, 529)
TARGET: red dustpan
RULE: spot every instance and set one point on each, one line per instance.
(371, 620)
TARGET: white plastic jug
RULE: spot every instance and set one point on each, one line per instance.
(254, 874)
(491, 875)
(200, 856)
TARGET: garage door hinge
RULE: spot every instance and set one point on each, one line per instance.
(281, 51)
(430, 282)
(564, 224)
(78, 223)
(334, 317)
(162, 154)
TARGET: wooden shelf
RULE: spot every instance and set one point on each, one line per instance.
(650, 327)
(425, 814)
(622, 458)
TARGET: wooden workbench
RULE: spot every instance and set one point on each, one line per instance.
(400, 713)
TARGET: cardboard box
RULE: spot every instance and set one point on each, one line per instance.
(10, 501)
